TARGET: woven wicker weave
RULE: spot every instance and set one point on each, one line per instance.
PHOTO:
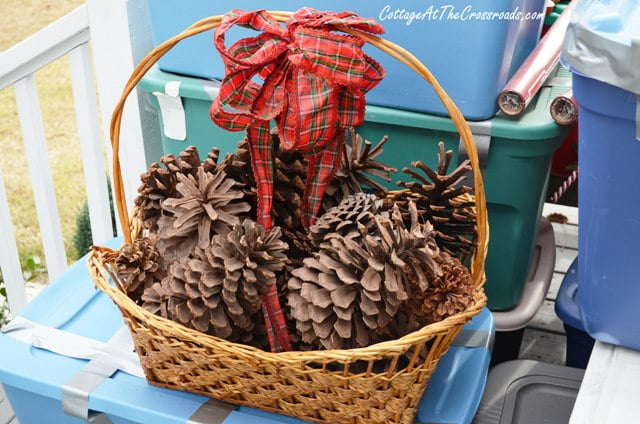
(381, 383)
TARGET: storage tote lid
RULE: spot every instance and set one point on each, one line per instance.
(529, 392)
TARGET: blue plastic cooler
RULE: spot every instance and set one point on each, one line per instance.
(471, 46)
(602, 48)
(33, 377)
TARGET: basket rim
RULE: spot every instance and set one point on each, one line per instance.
(98, 259)
(97, 262)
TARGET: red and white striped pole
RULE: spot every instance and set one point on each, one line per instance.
(564, 187)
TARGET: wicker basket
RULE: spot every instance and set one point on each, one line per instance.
(381, 383)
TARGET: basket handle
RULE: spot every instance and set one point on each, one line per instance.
(388, 47)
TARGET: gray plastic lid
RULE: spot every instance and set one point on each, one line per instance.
(529, 392)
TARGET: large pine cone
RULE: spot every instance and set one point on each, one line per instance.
(186, 163)
(210, 163)
(218, 290)
(237, 166)
(441, 200)
(300, 245)
(139, 266)
(159, 183)
(348, 293)
(282, 281)
(447, 295)
(357, 166)
(208, 203)
(288, 187)
(353, 211)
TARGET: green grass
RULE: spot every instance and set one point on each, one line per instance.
(20, 19)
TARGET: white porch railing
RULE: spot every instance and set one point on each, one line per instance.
(67, 36)
(119, 32)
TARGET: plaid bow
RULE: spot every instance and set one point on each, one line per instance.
(313, 83)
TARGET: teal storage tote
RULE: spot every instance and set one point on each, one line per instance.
(35, 378)
(472, 46)
(516, 173)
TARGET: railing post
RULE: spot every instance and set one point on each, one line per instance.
(9, 259)
(40, 173)
(95, 176)
(120, 37)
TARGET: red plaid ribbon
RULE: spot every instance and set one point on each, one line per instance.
(313, 83)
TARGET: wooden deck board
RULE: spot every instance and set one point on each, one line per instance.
(564, 258)
(544, 338)
(554, 287)
(543, 346)
(546, 319)
(566, 235)
(570, 212)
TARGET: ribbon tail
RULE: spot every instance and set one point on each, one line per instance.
(321, 169)
(279, 338)
(260, 149)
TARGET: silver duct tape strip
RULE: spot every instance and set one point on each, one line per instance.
(481, 131)
(603, 59)
(74, 346)
(76, 391)
(104, 360)
(172, 111)
(474, 339)
(212, 411)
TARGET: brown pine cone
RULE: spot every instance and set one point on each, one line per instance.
(288, 187)
(210, 164)
(357, 166)
(447, 295)
(300, 245)
(441, 200)
(353, 211)
(139, 265)
(207, 204)
(159, 183)
(218, 290)
(349, 292)
(186, 163)
(289, 181)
